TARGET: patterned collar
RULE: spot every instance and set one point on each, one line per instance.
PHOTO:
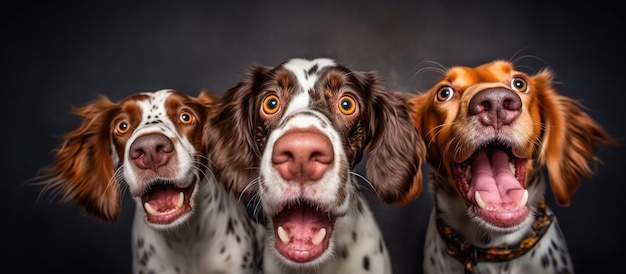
(470, 255)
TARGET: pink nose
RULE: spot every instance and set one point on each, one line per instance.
(302, 155)
(151, 151)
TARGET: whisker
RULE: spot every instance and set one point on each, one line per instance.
(117, 180)
(439, 128)
(371, 187)
(429, 66)
(252, 183)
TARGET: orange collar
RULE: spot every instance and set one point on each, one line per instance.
(470, 255)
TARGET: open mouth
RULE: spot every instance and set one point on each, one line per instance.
(493, 181)
(164, 202)
(302, 231)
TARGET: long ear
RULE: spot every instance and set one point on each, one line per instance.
(569, 138)
(83, 167)
(207, 98)
(395, 151)
(229, 137)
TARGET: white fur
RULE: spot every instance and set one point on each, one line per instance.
(368, 247)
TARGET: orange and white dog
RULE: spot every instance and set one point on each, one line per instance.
(489, 132)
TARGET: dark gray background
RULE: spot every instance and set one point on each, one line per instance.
(56, 54)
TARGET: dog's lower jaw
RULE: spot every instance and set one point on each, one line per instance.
(302, 230)
(350, 229)
(460, 216)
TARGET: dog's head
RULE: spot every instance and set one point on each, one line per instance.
(489, 129)
(300, 128)
(150, 141)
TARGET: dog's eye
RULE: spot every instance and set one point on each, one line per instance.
(122, 127)
(271, 104)
(347, 105)
(445, 93)
(186, 117)
(519, 84)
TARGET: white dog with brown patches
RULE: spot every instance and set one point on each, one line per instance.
(185, 222)
(308, 123)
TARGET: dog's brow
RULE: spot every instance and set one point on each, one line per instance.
(306, 70)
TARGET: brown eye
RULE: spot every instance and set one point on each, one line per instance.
(347, 105)
(122, 127)
(519, 84)
(445, 93)
(271, 104)
(185, 117)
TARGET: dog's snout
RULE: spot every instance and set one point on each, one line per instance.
(151, 151)
(302, 155)
(496, 106)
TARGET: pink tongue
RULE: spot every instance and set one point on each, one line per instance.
(302, 222)
(494, 180)
(162, 198)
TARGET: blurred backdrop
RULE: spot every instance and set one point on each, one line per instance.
(58, 54)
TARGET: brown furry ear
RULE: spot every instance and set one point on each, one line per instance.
(83, 165)
(229, 137)
(395, 150)
(207, 98)
(569, 138)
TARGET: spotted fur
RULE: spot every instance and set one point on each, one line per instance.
(151, 143)
(308, 124)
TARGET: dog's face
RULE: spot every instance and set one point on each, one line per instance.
(150, 141)
(489, 129)
(311, 122)
(157, 139)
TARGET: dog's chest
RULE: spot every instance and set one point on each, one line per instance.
(219, 238)
(549, 255)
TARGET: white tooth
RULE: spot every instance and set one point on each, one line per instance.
(181, 199)
(319, 236)
(282, 234)
(150, 209)
(524, 199)
(479, 200)
(512, 167)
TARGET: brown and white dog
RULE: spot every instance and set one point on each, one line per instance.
(299, 130)
(489, 131)
(151, 144)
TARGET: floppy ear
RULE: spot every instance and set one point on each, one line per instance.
(83, 166)
(569, 137)
(207, 98)
(229, 137)
(395, 151)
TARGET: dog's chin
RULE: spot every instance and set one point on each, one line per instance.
(521, 224)
(166, 204)
(492, 181)
(302, 233)
(313, 264)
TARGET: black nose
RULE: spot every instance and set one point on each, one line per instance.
(496, 106)
(151, 151)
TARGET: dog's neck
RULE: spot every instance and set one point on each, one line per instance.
(469, 255)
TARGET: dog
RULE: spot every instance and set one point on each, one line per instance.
(151, 144)
(300, 129)
(490, 131)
